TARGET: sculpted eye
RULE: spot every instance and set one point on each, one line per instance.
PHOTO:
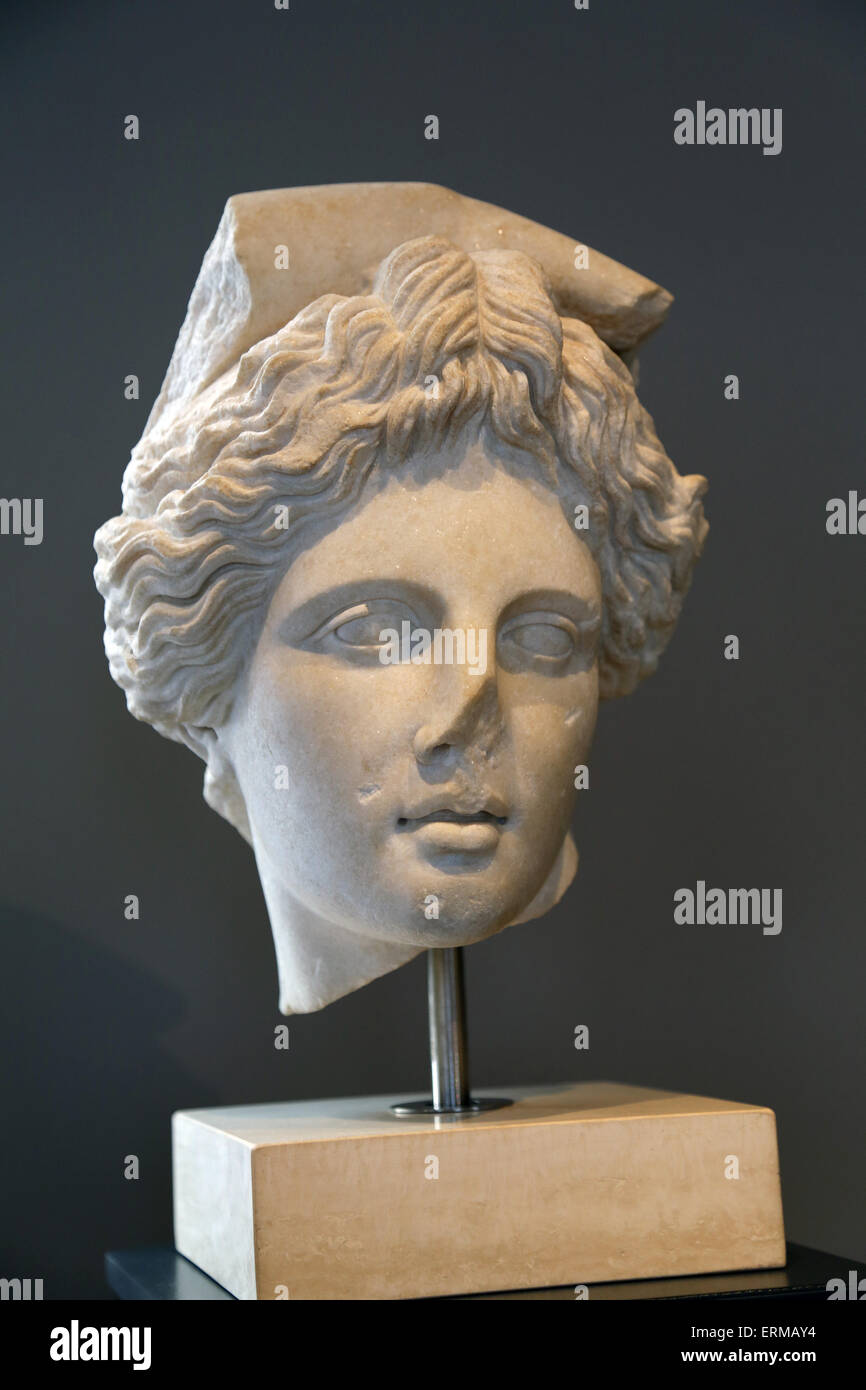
(360, 626)
(545, 635)
(543, 639)
(362, 631)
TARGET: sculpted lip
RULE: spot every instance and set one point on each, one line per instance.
(451, 818)
(455, 806)
(445, 830)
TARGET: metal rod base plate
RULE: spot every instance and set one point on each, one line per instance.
(427, 1107)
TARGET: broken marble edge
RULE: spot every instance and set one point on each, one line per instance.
(241, 297)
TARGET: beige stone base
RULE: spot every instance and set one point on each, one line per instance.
(338, 1199)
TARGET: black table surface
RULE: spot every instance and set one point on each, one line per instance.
(159, 1273)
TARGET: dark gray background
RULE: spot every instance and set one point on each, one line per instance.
(743, 774)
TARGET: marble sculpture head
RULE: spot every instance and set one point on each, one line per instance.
(443, 454)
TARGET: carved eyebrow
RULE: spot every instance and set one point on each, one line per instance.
(316, 609)
(584, 612)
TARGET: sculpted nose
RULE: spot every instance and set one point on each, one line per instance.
(465, 716)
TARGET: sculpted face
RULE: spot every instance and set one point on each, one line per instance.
(392, 685)
(394, 803)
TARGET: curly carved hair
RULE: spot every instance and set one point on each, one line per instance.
(445, 343)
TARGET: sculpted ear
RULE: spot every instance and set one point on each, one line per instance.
(221, 790)
(201, 739)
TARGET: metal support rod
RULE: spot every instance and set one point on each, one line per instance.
(446, 1006)
(449, 1061)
